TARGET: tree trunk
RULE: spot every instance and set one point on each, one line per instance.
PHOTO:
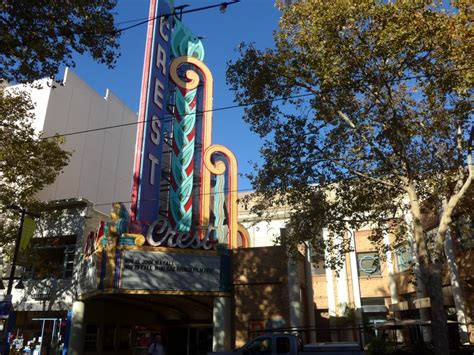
(420, 281)
(439, 318)
(431, 272)
(459, 300)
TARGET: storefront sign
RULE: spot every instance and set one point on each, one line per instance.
(160, 233)
(41, 293)
(170, 271)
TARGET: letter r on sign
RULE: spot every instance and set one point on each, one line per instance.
(161, 59)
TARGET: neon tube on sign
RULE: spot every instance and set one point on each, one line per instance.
(160, 233)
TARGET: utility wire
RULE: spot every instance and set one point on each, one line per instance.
(173, 198)
(169, 118)
(222, 5)
(220, 109)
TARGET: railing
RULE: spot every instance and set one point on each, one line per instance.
(402, 337)
(319, 334)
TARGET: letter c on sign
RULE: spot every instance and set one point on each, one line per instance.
(163, 226)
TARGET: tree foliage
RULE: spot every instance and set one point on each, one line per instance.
(377, 119)
(37, 37)
(27, 162)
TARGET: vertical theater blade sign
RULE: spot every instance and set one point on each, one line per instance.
(184, 188)
(184, 193)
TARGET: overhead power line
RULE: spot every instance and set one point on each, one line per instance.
(169, 118)
(181, 11)
(175, 198)
(222, 5)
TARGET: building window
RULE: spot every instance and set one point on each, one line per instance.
(109, 338)
(51, 257)
(283, 345)
(68, 270)
(404, 257)
(125, 338)
(372, 301)
(368, 264)
(90, 337)
(374, 310)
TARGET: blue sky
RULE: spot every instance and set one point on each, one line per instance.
(247, 21)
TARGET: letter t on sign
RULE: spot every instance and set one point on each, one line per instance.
(154, 163)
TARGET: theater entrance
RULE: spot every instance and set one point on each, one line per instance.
(127, 324)
(198, 340)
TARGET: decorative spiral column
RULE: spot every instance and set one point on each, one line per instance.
(182, 160)
(183, 43)
(219, 168)
(208, 167)
(219, 211)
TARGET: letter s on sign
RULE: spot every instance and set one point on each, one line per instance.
(162, 225)
(155, 130)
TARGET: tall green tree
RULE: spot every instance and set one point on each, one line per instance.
(37, 37)
(27, 162)
(379, 123)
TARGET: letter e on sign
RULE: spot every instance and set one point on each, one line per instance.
(158, 93)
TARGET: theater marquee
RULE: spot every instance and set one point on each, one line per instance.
(168, 271)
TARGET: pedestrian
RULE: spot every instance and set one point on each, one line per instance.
(156, 347)
(27, 350)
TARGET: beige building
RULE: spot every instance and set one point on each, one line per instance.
(100, 168)
(370, 288)
(270, 291)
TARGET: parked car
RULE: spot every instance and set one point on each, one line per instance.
(287, 344)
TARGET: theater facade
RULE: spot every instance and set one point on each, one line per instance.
(176, 261)
(165, 265)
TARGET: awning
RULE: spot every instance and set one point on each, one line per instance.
(418, 303)
(374, 309)
(397, 324)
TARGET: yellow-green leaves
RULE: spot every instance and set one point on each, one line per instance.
(27, 163)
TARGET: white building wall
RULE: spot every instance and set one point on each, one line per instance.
(101, 166)
(264, 233)
(39, 96)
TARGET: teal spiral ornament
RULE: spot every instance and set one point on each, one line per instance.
(219, 211)
(183, 43)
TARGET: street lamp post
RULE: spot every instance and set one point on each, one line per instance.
(6, 303)
(24, 212)
(15, 254)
